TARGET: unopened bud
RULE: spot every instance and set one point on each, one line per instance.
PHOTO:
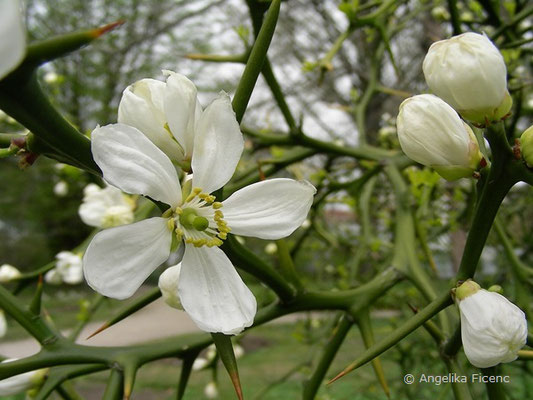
(526, 146)
(469, 73)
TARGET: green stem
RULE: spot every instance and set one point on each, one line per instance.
(494, 390)
(405, 329)
(25, 101)
(255, 61)
(328, 354)
(115, 386)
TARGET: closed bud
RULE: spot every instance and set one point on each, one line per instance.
(8, 273)
(492, 328)
(168, 284)
(526, 146)
(468, 72)
(433, 134)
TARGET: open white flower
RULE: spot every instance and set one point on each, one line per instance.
(119, 259)
(105, 207)
(492, 328)
(68, 269)
(12, 36)
(8, 273)
(150, 106)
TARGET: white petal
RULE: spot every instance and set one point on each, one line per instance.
(141, 106)
(134, 164)
(269, 209)
(181, 105)
(213, 293)
(218, 145)
(118, 260)
(12, 36)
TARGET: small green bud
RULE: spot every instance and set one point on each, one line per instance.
(466, 289)
(496, 289)
(526, 146)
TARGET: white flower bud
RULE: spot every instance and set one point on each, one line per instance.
(271, 248)
(526, 146)
(431, 133)
(211, 390)
(199, 363)
(469, 73)
(168, 284)
(8, 273)
(61, 189)
(492, 328)
(22, 382)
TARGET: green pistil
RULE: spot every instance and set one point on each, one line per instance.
(190, 220)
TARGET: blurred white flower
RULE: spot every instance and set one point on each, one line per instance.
(61, 189)
(238, 351)
(118, 260)
(211, 390)
(492, 328)
(431, 133)
(469, 73)
(68, 269)
(105, 207)
(8, 273)
(199, 363)
(3, 324)
(22, 382)
(12, 36)
(51, 77)
(271, 248)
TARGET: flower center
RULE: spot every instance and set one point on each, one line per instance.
(199, 220)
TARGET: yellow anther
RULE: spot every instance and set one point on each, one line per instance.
(171, 223)
(222, 235)
(196, 190)
(167, 213)
(216, 205)
(178, 211)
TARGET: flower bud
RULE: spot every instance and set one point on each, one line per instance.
(8, 273)
(526, 146)
(22, 382)
(492, 328)
(168, 284)
(431, 133)
(469, 73)
(211, 390)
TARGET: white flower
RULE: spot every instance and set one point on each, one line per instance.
(61, 189)
(8, 273)
(12, 36)
(271, 248)
(3, 324)
(469, 73)
(119, 259)
(22, 382)
(168, 284)
(105, 208)
(433, 134)
(68, 269)
(150, 106)
(211, 390)
(492, 328)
